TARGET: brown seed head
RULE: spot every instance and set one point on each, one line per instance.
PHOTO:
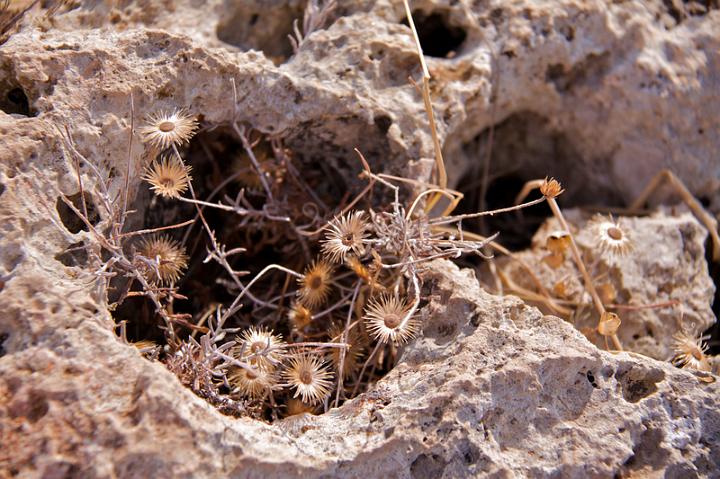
(551, 188)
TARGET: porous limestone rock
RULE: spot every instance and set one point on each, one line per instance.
(662, 285)
(602, 94)
(492, 387)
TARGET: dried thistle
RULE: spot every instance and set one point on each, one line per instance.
(300, 317)
(352, 353)
(260, 347)
(551, 188)
(296, 406)
(690, 352)
(315, 284)
(345, 235)
(254, 384)
(386, 320)
(169, 177)
(168, 259)
(165, 129)
(610, 237)
(310, 378)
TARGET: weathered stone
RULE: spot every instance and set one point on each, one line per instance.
(661, 286)
(600, 94)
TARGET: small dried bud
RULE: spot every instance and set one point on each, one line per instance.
(551, 188)
(609, 324)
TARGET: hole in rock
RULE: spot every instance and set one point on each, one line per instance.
(681, 10)
(638, 382)
(262, 25)
(3, 338)
(525, 147)
(310, 176)
(438, 36)
(713, 332)
(73, 255)
(70, 219)
(13, 99)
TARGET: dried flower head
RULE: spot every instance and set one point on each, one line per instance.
(245, 172)
(690, 352)
(345, 234)
(609, 323)
(386, 320)
(610, 237)
(296, 406)
(551, 188)
(259, 346)
(165, 129)
(315, 284)
(253, 383)
(310, 378)
(168, 177)
(300, 317)
(168, 256)
(558, 242)
(352, 353)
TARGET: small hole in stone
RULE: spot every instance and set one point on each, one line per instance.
(438, 37)
(383, 123)
(3, 338)
(70, 219)
(73, 255)
(260, 25)
(13, 100)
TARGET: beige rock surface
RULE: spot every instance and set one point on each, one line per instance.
(492, 388)
(666, 269)
(593, 90)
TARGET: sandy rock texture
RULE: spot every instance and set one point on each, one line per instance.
(492, 388)
(666, 269)
(600, 94)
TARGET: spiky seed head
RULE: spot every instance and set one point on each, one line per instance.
(260, 347)
(386, 321)
(255, 383)
(169, 177)
(169, 258)
(164, 129)
(300, 317)
(296, 406)
(310, 378)
(610, 237)
(689, 352)
(551, 188)
(315, 284)
(344, 235)
(352, 353)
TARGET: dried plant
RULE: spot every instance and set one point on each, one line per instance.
(332, 292)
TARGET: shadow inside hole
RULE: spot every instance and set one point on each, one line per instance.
(262, 25)
(438, 37)
(3, 338)
(141, 321)
(13, 100)
(713, 331)
(70, 219)
(74, 255)
(526, 147)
